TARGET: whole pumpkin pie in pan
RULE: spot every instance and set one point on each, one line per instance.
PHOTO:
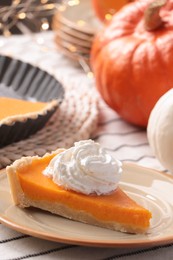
(13, 110)
(75, 184)
(21, 118)
(28, 98)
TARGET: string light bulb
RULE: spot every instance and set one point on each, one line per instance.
(35, 15)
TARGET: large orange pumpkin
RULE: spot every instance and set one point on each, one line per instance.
(132, 59)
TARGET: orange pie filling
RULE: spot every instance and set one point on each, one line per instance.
(114, 207)
(12, 107)
(18, 110)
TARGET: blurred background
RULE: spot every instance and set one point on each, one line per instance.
(24, 16)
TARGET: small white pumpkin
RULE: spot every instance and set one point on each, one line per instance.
(160, 130)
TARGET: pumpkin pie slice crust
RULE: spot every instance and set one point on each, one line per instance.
(30, 188)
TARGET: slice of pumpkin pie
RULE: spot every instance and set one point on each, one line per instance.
(80, 183)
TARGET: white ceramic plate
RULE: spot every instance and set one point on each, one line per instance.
(83, 44)
(72, 46)
(57, 25)
(80, 16)
(71, 51)
(148, 187)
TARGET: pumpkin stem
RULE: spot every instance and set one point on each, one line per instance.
(152, 17)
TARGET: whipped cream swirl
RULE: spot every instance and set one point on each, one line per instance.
(85, 168)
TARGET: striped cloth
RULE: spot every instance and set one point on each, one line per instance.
(122, 140)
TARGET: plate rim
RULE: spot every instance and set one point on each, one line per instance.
(65, 20)
(148, 242)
